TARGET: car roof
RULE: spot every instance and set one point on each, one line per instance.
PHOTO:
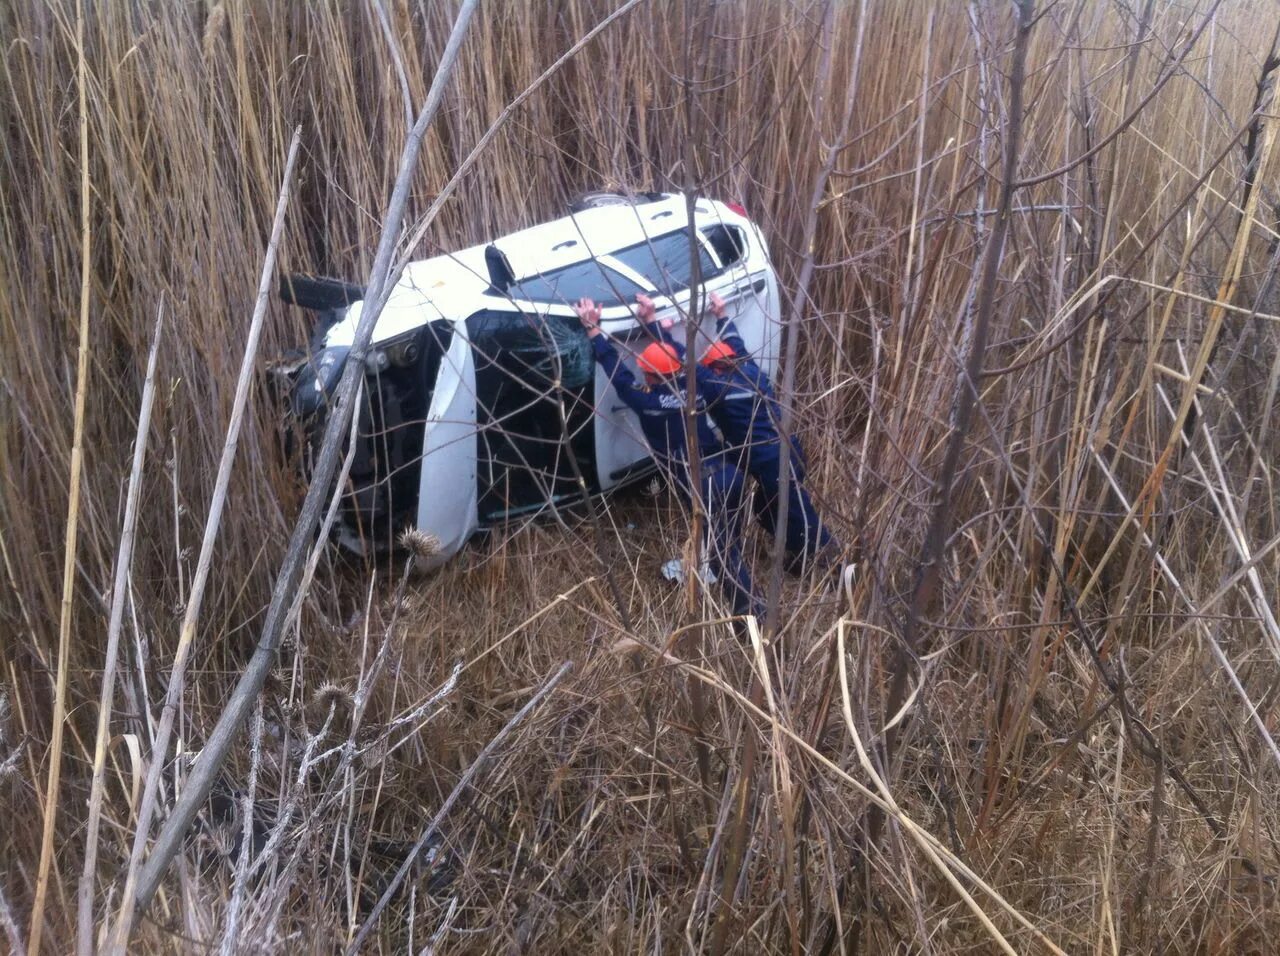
(455, 285)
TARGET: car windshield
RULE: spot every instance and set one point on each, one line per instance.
(589, 280)
(664, 261)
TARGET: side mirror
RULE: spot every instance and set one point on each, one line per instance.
(501, 275)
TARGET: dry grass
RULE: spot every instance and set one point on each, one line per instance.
(1086, 757)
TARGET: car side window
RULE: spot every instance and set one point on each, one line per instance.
(590, 279)
(664, 261)
(534, 350)
(534, 382)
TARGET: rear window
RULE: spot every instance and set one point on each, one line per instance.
(664, 261)
(590, 280)
(729, 243)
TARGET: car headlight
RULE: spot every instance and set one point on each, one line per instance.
(400, 352)
(317, 379)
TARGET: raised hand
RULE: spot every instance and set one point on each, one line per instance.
(646, 311)
(589, 316)
(717, 306)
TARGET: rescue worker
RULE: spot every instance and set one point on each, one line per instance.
(660, 402)
(742, 403)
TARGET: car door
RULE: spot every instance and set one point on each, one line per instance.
(533, 374)
(447, 486)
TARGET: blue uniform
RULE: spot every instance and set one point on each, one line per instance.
(661, 410)
(744, 406)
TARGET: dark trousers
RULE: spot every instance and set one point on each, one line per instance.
(724, 503)
(807, 537)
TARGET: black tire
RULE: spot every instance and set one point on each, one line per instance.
(599, 198)
(319, 293)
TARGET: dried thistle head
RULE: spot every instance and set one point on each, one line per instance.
(420, 543)
(329, 707)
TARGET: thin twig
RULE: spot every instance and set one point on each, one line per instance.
(393, 45)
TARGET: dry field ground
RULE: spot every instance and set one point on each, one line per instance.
(1028, 253)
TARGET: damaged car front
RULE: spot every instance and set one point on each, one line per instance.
(382, 486)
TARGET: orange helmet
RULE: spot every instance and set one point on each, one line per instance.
(719, 352)
(659, 358)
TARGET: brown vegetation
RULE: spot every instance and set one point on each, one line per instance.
(1039, 717)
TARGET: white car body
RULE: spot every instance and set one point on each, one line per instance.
(444, 327)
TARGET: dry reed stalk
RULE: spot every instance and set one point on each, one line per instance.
(230, 942)
(924, 838)
(124, 566)
(50, 808)
(350, 751)
(429, 217)
(1171, 71)
(783, 784)
(151, 795)
(1206, 634)
(1236, 533)
(791, 333)
(393, 47)
(929, 567)
(887, 796)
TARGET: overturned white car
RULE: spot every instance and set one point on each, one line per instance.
(482, 400)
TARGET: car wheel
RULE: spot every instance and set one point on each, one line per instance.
(598, 198)
(318, 293)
